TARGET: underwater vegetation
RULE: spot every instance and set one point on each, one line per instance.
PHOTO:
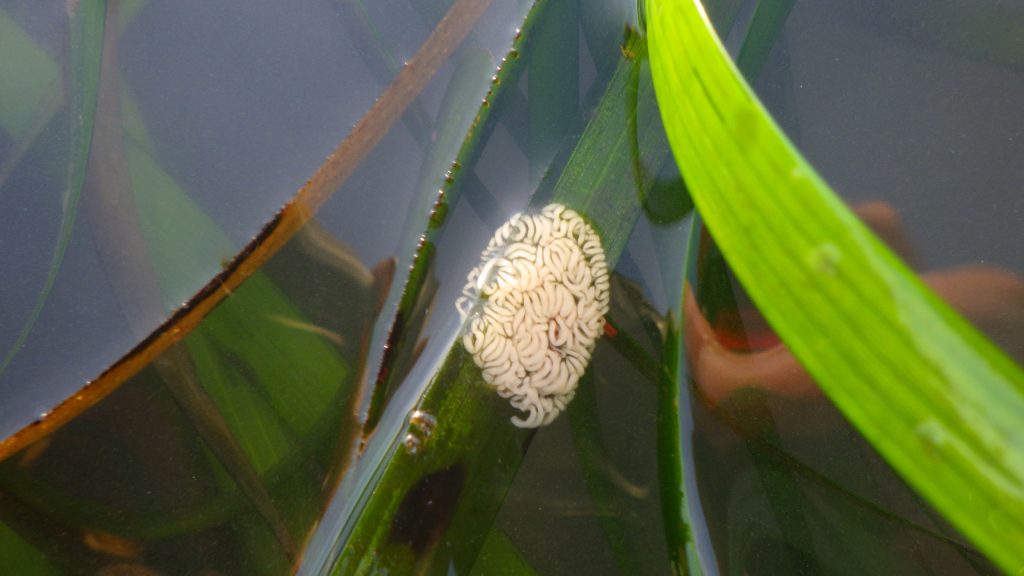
(524, 287)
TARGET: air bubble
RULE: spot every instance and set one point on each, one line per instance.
(423, 422)
(412, 444)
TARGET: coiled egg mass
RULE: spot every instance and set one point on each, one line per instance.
(534, 308)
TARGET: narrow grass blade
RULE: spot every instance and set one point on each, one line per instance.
(677, 515)
(769, 18)
(936, 398)
(468, 459)
(458, 135)
(31, 93)
(86, 31)
(553, 88)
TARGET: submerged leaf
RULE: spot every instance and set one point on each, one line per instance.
(34, 71)
(936, 398)
(472, 431)
(318, 189)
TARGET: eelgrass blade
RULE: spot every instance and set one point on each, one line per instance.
(457, 136)
(604, 495)
(465, 464)
(677, 515)
(553, 88)
(769, 18)
(31, 93)
(86, 31)
(122, 247)
(935, 397)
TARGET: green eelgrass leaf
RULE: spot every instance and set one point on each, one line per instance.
(553, 88)
(467, 461)
(768, 20)
(766, 23)
(86, 30)
(30, 92)
(677, 516)
(935, 397)
(436, 173)
(21, 557)
(28, 74)
(605, 496)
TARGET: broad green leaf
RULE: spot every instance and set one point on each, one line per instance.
(674, 200)
(935, 397)
(768, 20)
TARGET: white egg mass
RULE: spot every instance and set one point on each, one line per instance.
(535, 307)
